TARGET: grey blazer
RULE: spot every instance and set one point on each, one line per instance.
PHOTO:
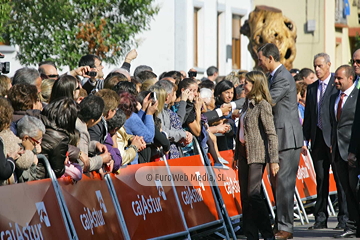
(286, 118)
(341, 130)
(261, 142)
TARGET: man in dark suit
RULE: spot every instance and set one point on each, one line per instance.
(342, 112)
(355, 61)
(283, 92)
(317, 130)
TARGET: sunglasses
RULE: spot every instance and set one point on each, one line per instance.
(35, 141)
(53, 76)
(357, 61)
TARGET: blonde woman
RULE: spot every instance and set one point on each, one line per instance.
(147, 84)
(46, 87)
(256, 145)
(160, 96)
(5, 85)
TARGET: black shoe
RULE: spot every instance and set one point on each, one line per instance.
(346, 234)
(340, 226)
(272, 238)
(318, 225)
(240, 234)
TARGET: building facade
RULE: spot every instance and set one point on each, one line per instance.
(323, 26)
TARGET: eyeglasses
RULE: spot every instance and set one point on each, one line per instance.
(53, 76)
(35, 141)
(357, 61)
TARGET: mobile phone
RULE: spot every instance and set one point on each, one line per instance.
(21, 146)
(91, 73)
(153, 96)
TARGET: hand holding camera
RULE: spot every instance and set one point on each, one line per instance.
(4, 66)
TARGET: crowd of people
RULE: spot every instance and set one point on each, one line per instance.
(85, 121)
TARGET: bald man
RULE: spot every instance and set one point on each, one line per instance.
(48, 70)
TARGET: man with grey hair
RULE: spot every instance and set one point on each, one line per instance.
(27, 75)
(141, 68)
(317, 129)
(213, 73)
(30, 130)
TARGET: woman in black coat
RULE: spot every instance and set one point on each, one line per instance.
(59, 118)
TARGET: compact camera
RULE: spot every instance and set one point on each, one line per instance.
(4, 66)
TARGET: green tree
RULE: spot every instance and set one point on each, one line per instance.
(64, 30)
(357, 41)
(5, 9)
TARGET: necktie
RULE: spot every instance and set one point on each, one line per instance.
(358, 83)
(269, 79)
(339, 107)
(321, 98)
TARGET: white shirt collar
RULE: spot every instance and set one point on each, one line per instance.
(273, 72)
(349, 90)
(326, 81)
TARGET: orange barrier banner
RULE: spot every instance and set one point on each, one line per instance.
(267, 185)
(149, 211)
(306, 178)
(31, 211)
(332, 183)
(196, 198)
(230, 188)
(91, 208)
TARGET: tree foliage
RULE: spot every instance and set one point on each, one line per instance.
(5, 9)
(65, 30)
(357, 41)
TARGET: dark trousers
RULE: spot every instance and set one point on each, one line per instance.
(283, 186)
(348, 179)
(322, 159)
(255, 213)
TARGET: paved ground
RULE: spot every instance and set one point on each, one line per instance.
(302, 232)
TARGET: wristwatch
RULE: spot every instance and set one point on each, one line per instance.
(134, 147)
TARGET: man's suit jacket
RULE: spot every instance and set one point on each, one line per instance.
(341, 130)
(311, 111)
(354, 146)
(286, 118)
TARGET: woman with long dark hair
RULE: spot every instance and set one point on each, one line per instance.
(65, 86)
(224, 93)
(195, 121)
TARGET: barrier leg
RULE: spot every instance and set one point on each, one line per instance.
(301, 205)
(331, 207)
(297, 208)
(218, 198)
(119, 214)
(268, 199)
(63, 208)
(177, 198)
